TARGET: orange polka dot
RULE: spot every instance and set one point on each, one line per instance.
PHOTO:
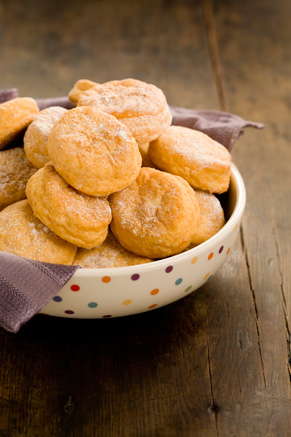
(228, 250)
(153, 306)
(210, 256)
(106, 279)
(154, 291)
(206, 276)
(194, 260)
(127, 302)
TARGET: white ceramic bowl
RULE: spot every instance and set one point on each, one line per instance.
(122, 291)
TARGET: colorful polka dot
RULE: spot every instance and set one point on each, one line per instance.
(169, 269)
(228, 250)
(127, 302)
(209, 277)
(210, 256)
(57, 299)
(179, 281)
(69, 312)
(107, 316)
(92, 304)
(221, 249)
(106, 279)
(206, 276)
(235, 228)
(135, 277)
(75, 287)
(194, 260)
(188, 288)
(153, 306)
(154, 291)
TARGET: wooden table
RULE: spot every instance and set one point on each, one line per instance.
(216, 363)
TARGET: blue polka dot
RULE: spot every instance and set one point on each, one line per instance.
(57, 299)
(179, 281)
(92, 304)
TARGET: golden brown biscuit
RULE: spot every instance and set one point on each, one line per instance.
(194, 156)
(15, 116)
(108, 254)
(23, 234)
(156, 216)
(37, 133)
(15, 170)
(94, 152)
(76, 217)
(79, 87)
(212, 217)
(140, 106)
(146, 162)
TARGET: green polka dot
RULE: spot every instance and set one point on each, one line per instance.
(92, 304)
(188, 288)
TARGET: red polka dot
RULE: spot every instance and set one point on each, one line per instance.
(75, 287)
(69, 312)
(210, 256)
(106, 279)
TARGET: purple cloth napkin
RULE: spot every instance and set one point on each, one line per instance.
(26, 286)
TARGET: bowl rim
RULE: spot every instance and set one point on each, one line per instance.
(233, 220)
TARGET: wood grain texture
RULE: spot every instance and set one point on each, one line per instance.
(216, 362)
(256, 66)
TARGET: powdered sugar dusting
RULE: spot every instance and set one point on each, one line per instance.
(108, 254)
(15, 171)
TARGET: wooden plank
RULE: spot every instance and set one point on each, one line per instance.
(44, 52)
(255, 61)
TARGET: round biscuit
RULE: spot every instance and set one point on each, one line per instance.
(76, 217)
(15, 116)
(15, 170)
(23, 234)
(36, 135)
(109, 254)
(156, 216)
(79, 87)
(94, 152)
(140, 106)
(211, 219)
(194, 156)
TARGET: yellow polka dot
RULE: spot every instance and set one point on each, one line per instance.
(206, 276)
(235, 228)
(127, 302)
(194, 260)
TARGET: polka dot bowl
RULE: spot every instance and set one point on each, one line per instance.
(122, 291)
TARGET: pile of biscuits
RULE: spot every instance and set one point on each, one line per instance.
(108, 183)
